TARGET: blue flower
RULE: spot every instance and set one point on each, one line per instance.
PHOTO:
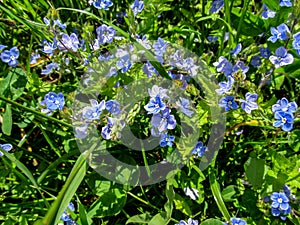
(101, 4)
(160, 46)
(255, 61)
(66, 217)
(59, 23)
(223, 65)
(113, 106)
(281, 58)
(94, 111)
(34, 58)
(53, 101)
(216, 6)
(158, 91)
(49, 47)
(285, 106)
(184, 106)
(188, 64)
(296, 42)
(249, 104)
(199, 149)
(189, 222)
(155, 105)
(265, 52)
(49, 68)
(279, 201)
(240, 66)
(5, 147)
(149, 69)
(107, 130)
(162, 121)
(225, 86)
(267, 13)
(105, 34)
(237, 221)
(68, 42)
(2, 47)
(10, 56)
(287, 190)
(166, 140)
(81, 131)
(137, 6)
(236, 50)
(281, 33)
(228, 103)
(212, 39)
(284, 120)
(286, 3)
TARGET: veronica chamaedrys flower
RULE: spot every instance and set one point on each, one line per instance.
(166, 140)
(81, 131)
(34, 57)
(188, 65)
(184, 106)
(191, 192)
(296, 42)
(279, 200)
(101, 4)
(49, 68)
(105, 34)
(53, 101)
(155, 105)
(113, 106)
(240, 66)
(93, 111)
(5, 147)
(286, 3)
(225, 86)
(49, 47)
(267, 13)
(68, 42)
(162, 121)
(160, 46)
(137, 7)
(10, 56)
(124, 62)
(265, 52)
(249, 104)
(280, 33)
(228, 103)
(285, 106)
(199, 149)
(255, 61)
(212, 39)
(66, 217)
(158, 91)
(216, 6)
(223, 65)
(236, 50)
(189, 222)
(284, 120)
(237, 221)
(281, 57)
(149, 69)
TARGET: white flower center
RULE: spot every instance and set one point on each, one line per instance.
(56, 102)
(12, 57)
(280, 200)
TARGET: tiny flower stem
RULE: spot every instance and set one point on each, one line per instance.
(35, 112)
(143, 201)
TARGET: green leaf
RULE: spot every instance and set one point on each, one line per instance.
(228, 193)
(141, 218)
(158, 219)
(7, 121)
(212, 222)
(182, 205)
(255, 171)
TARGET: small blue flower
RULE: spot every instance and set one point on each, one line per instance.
(5, 147)
(49, 68)
(10, 56)
(113, 106)
(236, 50)
(94, 111)
(149, 69)
(137, 6)
(280, 33)
(34, 58)
(255, 61)
(228, 103)
(296, 42)
(240, 66)
(249, 104)
(286, 3)
(107, 130)
(267, 13)
(285, 106)
(162, 121)
(216, 6)
(212, 39)
(265, 52)
(160, 46)
(53, 101)
(184, 106)
(49, 47)
(59, 24)
(225, 86)
(68, 42)
(2, 47)
(237, 221)
(158, 91)
(189, 222)
(166, 140)
(81, 131)
(287, 190)
(199, 149)
(124, 64)
(281, 58)
(66, 217)
(101, 4)
(223, 65)
(280, 200)
(105, 34)
(155, 105)
(284, 120)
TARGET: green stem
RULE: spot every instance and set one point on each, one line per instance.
(143, 201)
(35, 112)
(244, 10)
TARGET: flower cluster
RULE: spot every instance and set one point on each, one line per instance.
(53, 101)
(5, 147)
(283, 112)
(199, 149)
